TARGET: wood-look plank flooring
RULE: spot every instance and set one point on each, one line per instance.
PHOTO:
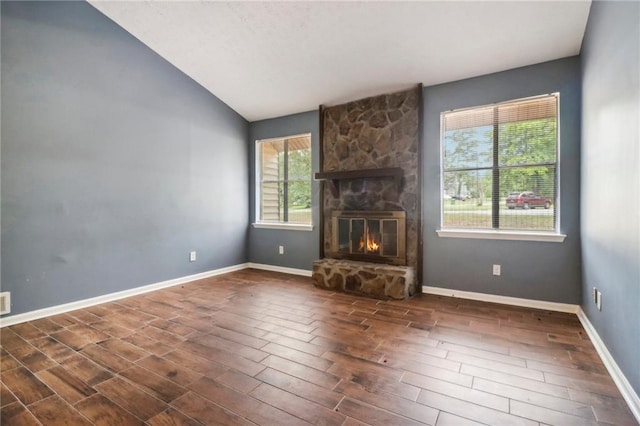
(254, 347)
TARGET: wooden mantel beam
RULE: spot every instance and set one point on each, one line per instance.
(334, 178)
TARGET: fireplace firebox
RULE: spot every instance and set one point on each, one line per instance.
(370, 236)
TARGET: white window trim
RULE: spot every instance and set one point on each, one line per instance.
(499, 234)
(282, 225)
(258, 224)
(488, 234)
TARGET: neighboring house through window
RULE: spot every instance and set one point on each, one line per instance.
(283, 170)
(500, 166)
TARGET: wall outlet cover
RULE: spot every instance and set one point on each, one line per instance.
(5, 302)
(192, 256)
(496, 270)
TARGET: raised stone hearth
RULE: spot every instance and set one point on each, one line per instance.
(373, 279)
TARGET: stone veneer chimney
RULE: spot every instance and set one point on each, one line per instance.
(380, 132)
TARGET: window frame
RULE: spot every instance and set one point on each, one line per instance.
(259, 222)
(496, 233)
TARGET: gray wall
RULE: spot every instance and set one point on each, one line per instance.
(611, 179)
(300, 247)
(532, 270)
(114, 164)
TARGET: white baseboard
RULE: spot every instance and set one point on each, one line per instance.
(283, 269)
(505, 300)
(629, 395)
(80, 304)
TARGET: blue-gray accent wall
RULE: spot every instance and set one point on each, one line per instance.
(611, 179)
(301, 248)
(114, 163)
(531, 270)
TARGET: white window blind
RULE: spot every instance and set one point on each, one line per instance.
(284, 180)
(500, 166)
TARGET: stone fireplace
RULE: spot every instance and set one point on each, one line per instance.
(371, 202)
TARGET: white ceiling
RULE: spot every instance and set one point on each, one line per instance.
(268, 59)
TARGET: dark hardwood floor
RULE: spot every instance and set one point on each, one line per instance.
(255, 347)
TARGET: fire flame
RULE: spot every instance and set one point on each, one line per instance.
(372, 244)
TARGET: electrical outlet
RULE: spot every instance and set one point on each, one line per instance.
(496, 270)
(280, 249)
(599, 302)
(594, 295)
(192, 256)
(5, 302)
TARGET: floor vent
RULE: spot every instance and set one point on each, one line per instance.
(5, 303)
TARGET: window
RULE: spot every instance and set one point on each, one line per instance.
(284, 180)
(500, 166)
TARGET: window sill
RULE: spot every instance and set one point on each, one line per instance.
(502, 235)
(285, 226)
